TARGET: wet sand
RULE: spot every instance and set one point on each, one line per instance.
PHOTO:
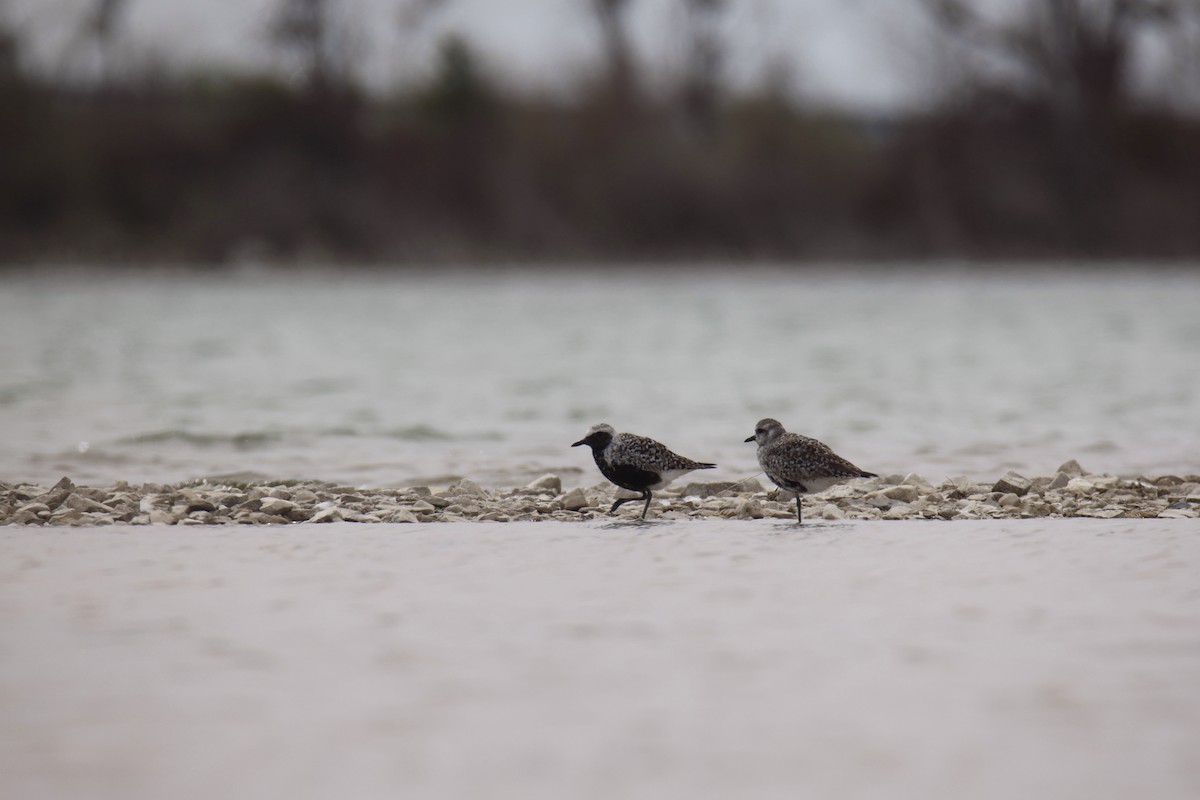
(705, 659)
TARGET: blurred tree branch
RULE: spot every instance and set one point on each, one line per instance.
(97, 33)
(612, 17)
(413, 14)
(326, 50)
(9, 49)
(704, 62)
(1078, 48)
(1073, 59)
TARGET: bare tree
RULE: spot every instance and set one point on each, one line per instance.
(704, 62)
(95, 39)
(1072, 58)
(412, 18)
(322, 43)
(1183, 67)
(613, 18)
(1075, 52)
(9, 47)
(412, 14)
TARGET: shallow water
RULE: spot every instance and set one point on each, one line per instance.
(397, 380)
(999, 659)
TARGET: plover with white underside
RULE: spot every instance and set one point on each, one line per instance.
(635, 462)
(798, 463)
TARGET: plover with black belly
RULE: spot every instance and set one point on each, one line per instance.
(798, 463)
(635, 462)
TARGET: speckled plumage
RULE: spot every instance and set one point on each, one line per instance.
(798, 463)
(634, 462)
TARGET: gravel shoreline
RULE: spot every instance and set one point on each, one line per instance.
(1071, 492)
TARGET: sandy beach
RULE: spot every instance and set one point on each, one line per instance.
(989, 659)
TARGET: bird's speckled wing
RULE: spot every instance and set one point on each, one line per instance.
(796, 458)
(647, 454)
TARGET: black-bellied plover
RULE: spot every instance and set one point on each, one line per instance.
(634, 462)
(798, 463)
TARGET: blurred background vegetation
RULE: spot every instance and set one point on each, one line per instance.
(1036, 145)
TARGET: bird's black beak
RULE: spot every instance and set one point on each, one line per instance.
(581, 441)
(750, 439)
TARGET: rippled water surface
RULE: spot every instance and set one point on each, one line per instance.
(393, 380)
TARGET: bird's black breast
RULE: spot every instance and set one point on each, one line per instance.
(787, 483)
(626, 476)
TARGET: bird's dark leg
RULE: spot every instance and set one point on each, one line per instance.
(617, 504)
(799, 519)
(646, 507)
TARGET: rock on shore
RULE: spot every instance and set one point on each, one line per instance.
(1071, 492)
